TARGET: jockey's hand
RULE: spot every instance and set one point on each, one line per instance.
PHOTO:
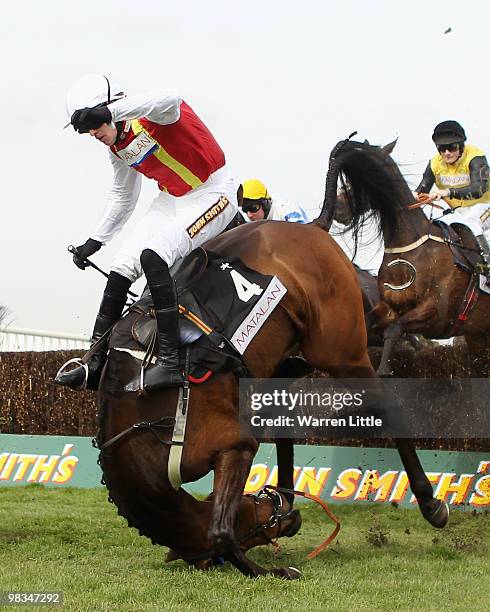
(421, 197)
(438, 194)
(85, 250)
(88, 119)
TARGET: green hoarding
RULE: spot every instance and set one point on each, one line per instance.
(337, 474)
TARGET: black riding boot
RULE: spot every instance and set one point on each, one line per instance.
(110, 310)
(166, 371)
(485, 252)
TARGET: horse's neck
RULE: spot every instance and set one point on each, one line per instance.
(411, 225)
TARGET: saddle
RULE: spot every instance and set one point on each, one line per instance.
(464, 246)
(210, 313)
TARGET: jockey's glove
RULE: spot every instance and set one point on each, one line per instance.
(85, 250)
(90, 118)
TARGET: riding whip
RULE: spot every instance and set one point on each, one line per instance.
(72, 249)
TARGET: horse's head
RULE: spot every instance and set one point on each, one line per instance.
(264, 519)
(344, 207)
(372, 183)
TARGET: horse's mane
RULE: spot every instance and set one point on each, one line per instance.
(375, 186)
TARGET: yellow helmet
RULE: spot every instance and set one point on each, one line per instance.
(254, 189)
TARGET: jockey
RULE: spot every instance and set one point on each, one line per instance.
(159, 136)
(258, 204)
(461, 176)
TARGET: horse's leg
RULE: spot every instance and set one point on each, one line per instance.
(414, 341)
(433, 510)
(391, 336)
(414, 320)
(293, 368)
(285, 480)
(231, 469)
(285, 466)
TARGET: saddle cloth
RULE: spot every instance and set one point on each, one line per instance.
(222, 305)
(465, 249)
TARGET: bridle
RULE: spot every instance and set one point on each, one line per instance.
(277, 516)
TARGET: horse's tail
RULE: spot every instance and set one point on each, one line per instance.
(325, 218)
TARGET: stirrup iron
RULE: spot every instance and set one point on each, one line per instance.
(80, 363)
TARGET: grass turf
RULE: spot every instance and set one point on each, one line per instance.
(384, 559)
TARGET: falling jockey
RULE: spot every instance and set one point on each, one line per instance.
(159, 136)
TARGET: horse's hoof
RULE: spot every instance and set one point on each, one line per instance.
(287, 573)
(439, 517)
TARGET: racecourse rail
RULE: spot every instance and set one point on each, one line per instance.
(14, 339)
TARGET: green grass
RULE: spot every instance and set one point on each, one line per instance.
(384, 559)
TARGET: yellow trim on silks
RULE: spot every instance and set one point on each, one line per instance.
(167, 160)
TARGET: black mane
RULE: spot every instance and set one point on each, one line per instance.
(375, 186)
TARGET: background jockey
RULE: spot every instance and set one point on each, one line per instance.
(159, 136)
(258, 204)
(461, 176)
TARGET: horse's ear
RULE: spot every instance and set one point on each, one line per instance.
(239, 196)
(366, 142)
(388, 149)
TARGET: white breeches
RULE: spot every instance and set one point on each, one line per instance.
(476, 217)
(173, 227)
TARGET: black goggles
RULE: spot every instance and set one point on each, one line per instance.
(254, 206)
(448, 147)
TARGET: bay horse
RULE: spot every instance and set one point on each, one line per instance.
(370, 299)
(322, 316)
(370, 290)
(422, 290)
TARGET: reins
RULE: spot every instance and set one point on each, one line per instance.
(277, 516)
(470, 297)
(314, 553)
(427, 200)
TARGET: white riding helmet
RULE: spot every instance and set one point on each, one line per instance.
(89, 91)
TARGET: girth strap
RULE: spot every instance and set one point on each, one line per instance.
(467, 305)
(178, 434)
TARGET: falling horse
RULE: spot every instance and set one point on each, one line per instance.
(322, 316)
(428, 279)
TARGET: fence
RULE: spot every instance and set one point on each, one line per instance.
(16, 339)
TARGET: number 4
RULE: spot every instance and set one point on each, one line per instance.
(244, 288)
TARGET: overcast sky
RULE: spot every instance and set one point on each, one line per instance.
(278, 82)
